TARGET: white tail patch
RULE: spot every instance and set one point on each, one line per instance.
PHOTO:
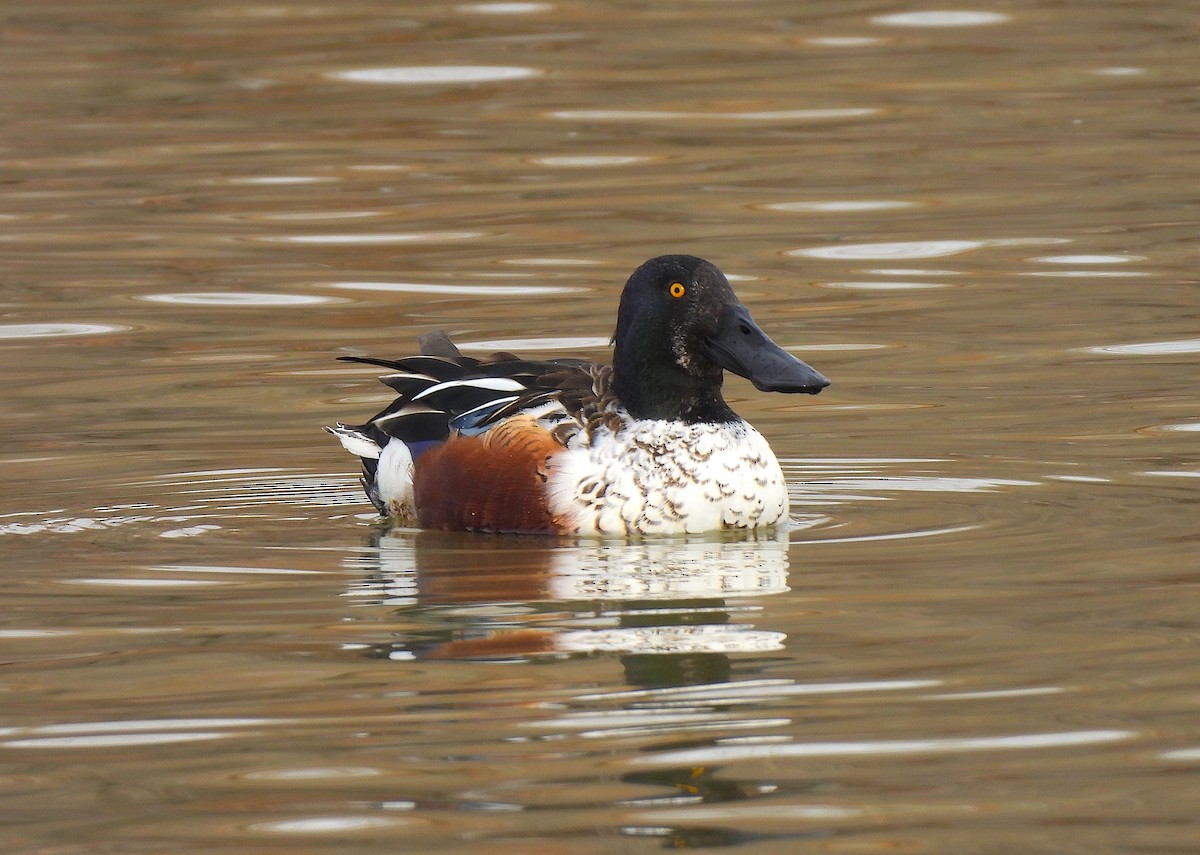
(356, 443)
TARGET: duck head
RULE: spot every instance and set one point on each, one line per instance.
(679, 327)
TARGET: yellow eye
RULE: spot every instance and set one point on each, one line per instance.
(677, 289)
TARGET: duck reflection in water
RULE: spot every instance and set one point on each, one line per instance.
(667, 607)
(675, 613)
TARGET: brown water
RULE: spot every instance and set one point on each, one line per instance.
(981, 635)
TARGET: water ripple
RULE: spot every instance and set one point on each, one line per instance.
(587, 161)
(942, 18)
(315, 773)
(891, 250)
(842, 206)
(911, 271)
(844, 41)
(754, 691)
(238, 298)
(900, 535)
(421, 75)
(1087, 274)
(327, 824)
(1181, 427)
(1119, 71)
(211, 495)
(1088, 259)
(359, 239)
(701, 115)
(504, 8)
(282, 180)
(121, 734)
(123, 741)
(1182, 754)
(951, 745)
(56, 330)
(1150, 348)
(459, 290)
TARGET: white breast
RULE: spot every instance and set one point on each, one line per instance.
(668, 478)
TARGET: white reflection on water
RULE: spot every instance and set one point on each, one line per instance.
(436, 74)
(941, 18)
(1119, 71)
(1088, 259)
(702, 707)
(896, 249)
(358, 239)
(238, 298)
(314, 773)
(833, 348)
(189, 531)
(54, 330)
(901, 535)
(671, 569)
(612, 719)
(700, 115)
(1087, 274)
(710, 638)
(1181, 754)
(743, 812)
(918, 483)
(461, 290)
(123, 741)
(670, 723)
(667, 569)
(253, 571)
(326, 824)
(952, 745)
(992, 694)
(754, 691)
(844, 41)
(1150, 348)
(108, 734)
(592, 160)
(268, 180)
(504, 8)
(686, 597)
(817, 482)
(911, 271)
(308, 216)
(842, 206)
(120, 582)
(221, 495)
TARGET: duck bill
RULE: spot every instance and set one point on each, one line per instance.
(740, 346)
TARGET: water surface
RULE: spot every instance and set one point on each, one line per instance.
(979, 633)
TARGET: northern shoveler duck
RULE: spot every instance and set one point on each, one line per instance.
(645, 446)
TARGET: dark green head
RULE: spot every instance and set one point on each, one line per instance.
(679, 327)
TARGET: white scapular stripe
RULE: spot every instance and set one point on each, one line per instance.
(498, 384)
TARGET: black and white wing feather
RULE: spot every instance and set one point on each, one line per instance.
(441, 390)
